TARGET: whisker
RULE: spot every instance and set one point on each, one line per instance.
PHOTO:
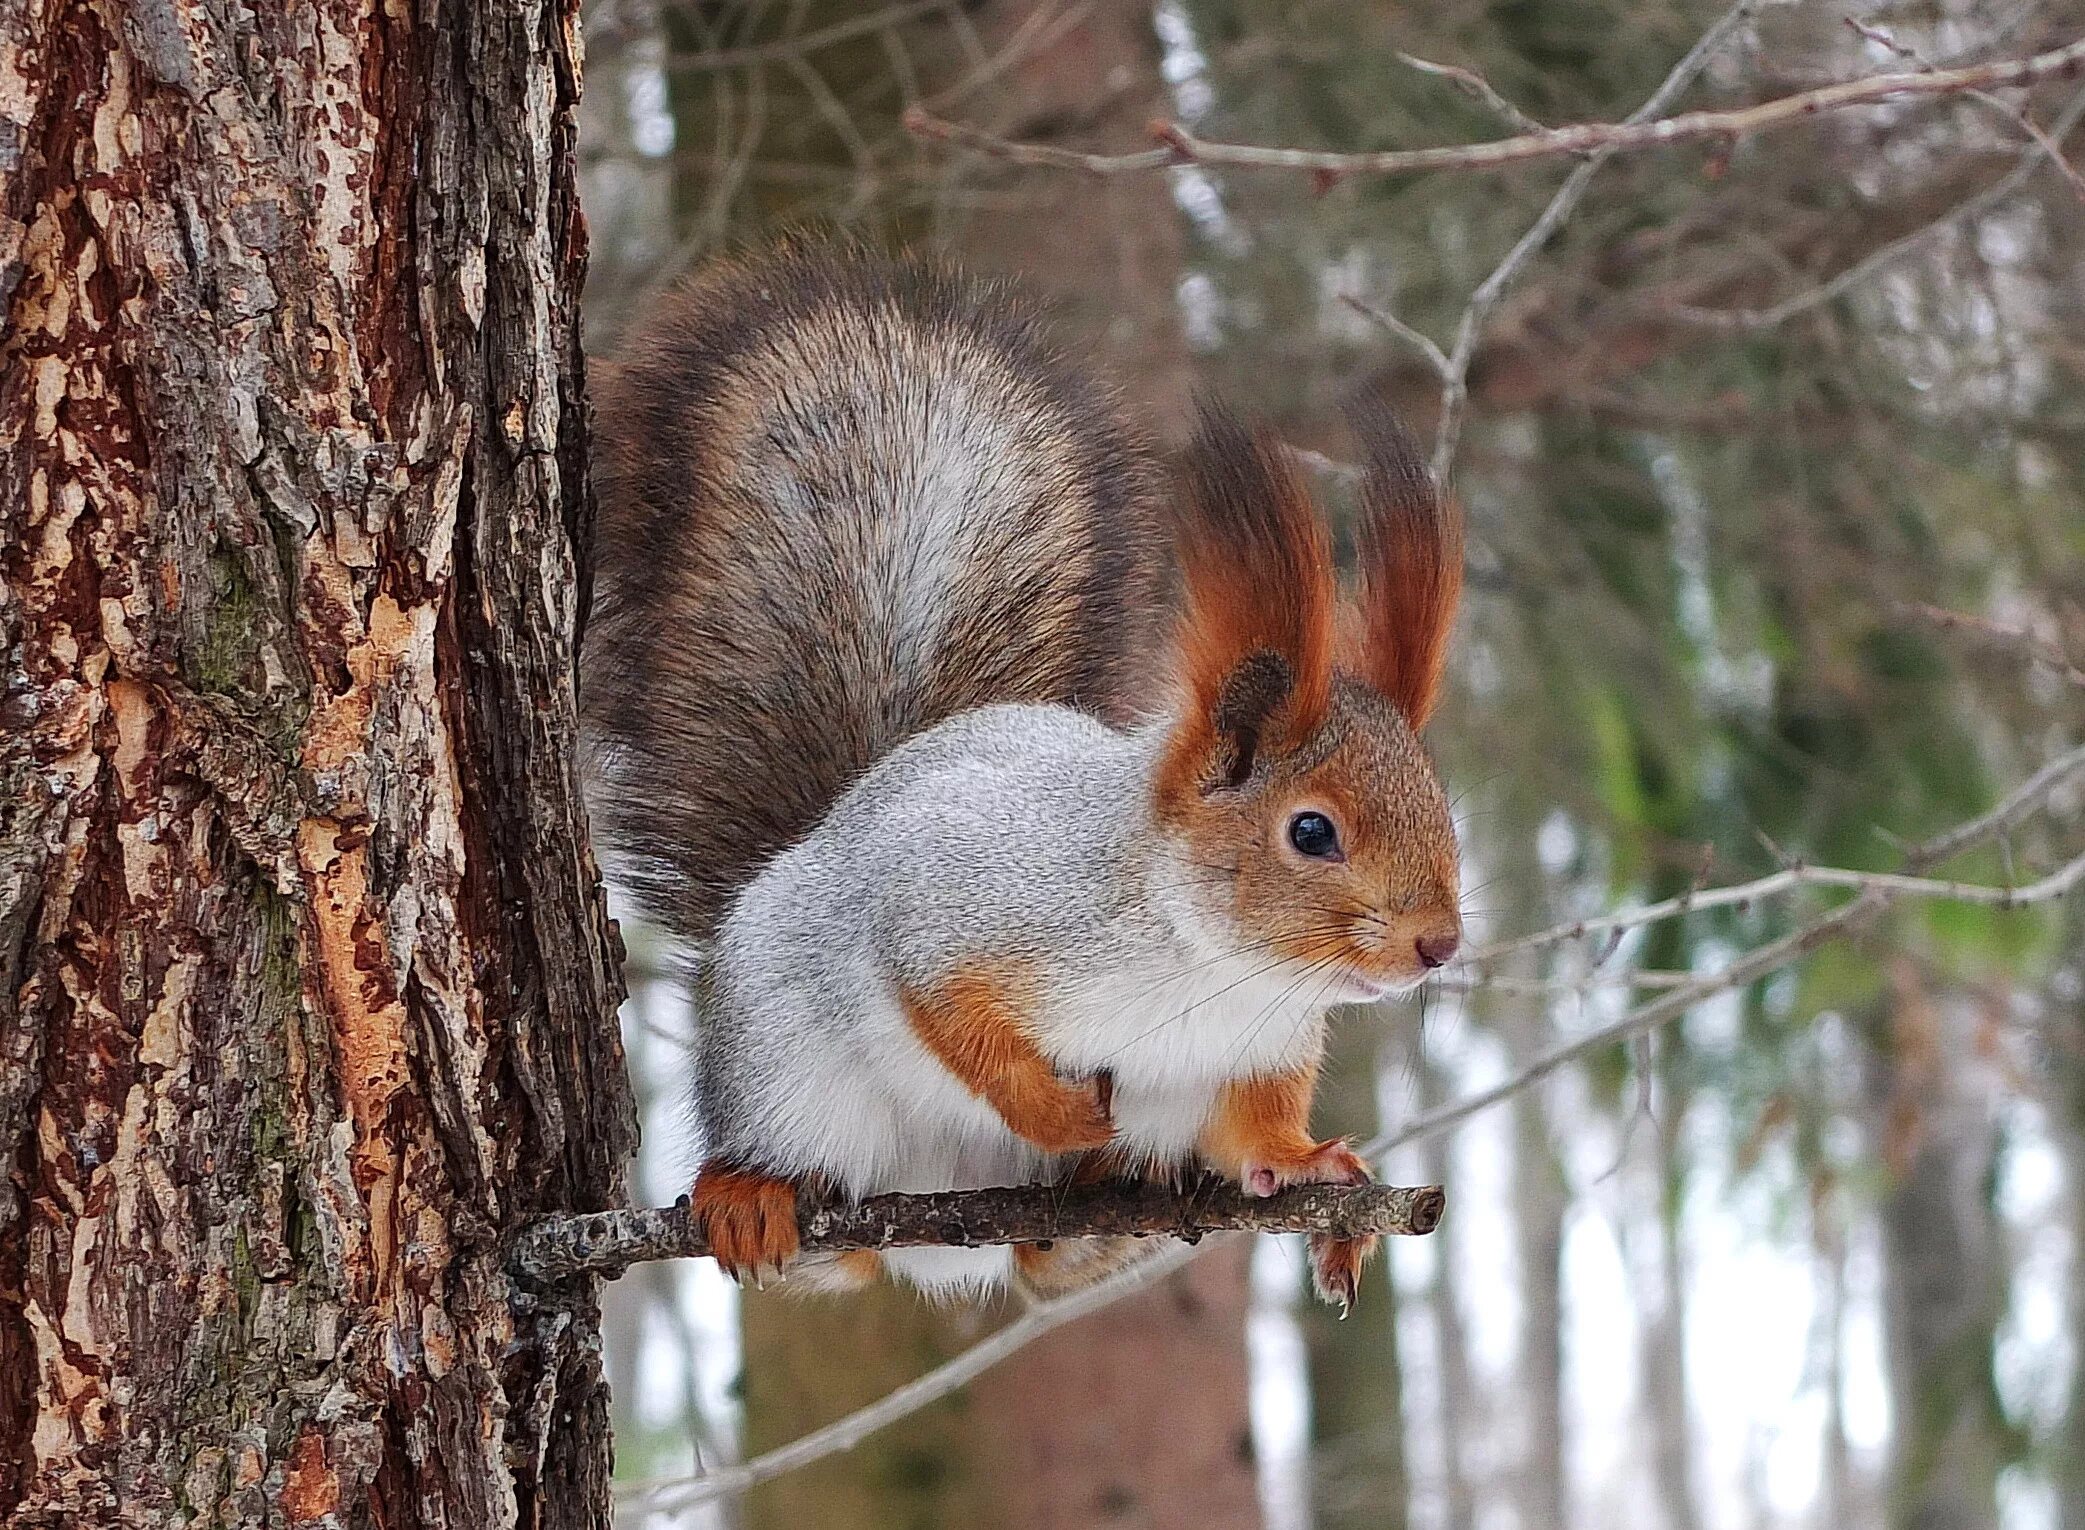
(1207, 998)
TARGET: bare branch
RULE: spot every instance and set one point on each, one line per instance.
(1877, 892)
(1179, 146)
(2021, 801)
(609, 1242)
(1787, 880)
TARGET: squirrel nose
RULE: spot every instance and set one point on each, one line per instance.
(1436, 948)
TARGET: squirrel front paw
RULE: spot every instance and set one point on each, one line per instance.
(1066, 1116)
(748, 1218)
(1331, 1162)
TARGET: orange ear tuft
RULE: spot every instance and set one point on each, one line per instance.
(1411, 568)
(1255, 639)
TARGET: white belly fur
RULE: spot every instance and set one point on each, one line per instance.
(1171, 1047)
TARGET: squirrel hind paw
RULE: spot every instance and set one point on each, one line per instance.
(748, 1218)
(1335, 1268)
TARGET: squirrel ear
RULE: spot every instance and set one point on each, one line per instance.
(1411, 542)
(1255, 639)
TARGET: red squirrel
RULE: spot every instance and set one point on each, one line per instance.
(1001, 864)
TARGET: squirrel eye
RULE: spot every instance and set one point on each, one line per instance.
(1314, 835)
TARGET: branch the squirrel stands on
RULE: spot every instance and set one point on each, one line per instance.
(609, 1242)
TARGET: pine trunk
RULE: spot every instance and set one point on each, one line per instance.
(1358, 1476)
(306, 987)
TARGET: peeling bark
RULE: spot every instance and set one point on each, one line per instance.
(305, 980)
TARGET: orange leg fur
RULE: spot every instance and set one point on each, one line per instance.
(1259, 1133)
(973, 1024)
(749, 1218)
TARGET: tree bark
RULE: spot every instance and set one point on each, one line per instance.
(306, 986)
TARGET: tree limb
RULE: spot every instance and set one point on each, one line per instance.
(609, 1242)
(1179, 146)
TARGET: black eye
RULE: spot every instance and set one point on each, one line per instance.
(1313, 834)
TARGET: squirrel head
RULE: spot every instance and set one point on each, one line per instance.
(1293, 781)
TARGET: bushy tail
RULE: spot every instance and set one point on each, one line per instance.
(841, 498)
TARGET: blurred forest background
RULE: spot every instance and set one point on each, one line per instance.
(1737, 431)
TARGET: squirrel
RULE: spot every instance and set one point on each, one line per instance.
(1023, 829)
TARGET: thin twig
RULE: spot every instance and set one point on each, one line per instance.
(1475, 86)
(1996, 634)
(1877, 891)
(1412, 337)
(1742, 894)
(609, 1242)
(2020, 802)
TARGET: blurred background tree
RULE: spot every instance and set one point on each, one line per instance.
(1808, 1256)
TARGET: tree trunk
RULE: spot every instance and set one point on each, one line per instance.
(1668, 1408)
(2067, 1107)
(1136, 1416)
(1459, 1418)
(306, 987)
(1943, 1277)
(1539, 1204)
(919, 1474)
(1358, 1479)
(1109, 252)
